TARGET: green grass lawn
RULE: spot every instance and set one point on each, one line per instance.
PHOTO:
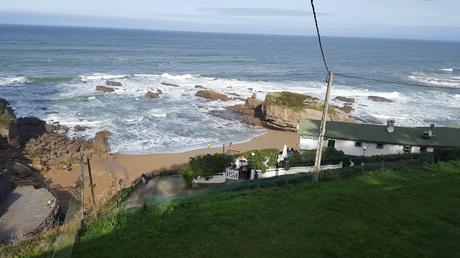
(405, 213)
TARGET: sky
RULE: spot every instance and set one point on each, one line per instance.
(412, 19)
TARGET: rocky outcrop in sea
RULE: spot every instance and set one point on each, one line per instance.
(284, 110)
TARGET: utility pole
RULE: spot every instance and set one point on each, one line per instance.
(322, 130)
(82, 187)
(91, 185)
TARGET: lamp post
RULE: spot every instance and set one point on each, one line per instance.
(364, 154)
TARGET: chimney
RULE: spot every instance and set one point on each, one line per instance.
(390, 125)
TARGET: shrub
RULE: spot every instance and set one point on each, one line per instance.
(205, 166)
(446, 154)
(307, 158)
(261, 159)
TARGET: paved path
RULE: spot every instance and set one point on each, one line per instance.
(23, 211)
(157, 190)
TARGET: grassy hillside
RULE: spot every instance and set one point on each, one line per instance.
(411, 212)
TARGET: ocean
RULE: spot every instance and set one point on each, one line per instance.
(52, 72)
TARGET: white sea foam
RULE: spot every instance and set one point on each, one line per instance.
(436, 80)
(178, 120)
(99, 76)
(447, 69)
(12, 80)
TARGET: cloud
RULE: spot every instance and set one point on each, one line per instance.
(260, 12)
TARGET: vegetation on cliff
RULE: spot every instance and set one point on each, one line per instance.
(295, 101)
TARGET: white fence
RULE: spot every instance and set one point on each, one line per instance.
(232, 174)
(272, 172)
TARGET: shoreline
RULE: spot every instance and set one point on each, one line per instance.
(135, 164)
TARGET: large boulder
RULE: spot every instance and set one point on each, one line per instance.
(153, 93)
(101, 142)
(7, 118)
(104, 89)
(284, 110)
(210, 94)
(379, 99)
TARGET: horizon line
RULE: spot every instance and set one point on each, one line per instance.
(222, 32)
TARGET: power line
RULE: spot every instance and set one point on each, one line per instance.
(319, 36)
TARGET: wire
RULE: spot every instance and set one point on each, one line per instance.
(319, 36)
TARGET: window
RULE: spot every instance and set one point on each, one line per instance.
(423, 149)
(358, 144)
(407, 149)
(331, 144)
(379, 145)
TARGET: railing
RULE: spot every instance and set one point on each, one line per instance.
(233, 174)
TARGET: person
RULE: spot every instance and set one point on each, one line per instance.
(120, 183)
(144, 179)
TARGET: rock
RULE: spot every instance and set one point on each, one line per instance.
(347, 108)
(210, 94)
(379, 99)
(199, 87)
(169, 84)
(153, 93)
(104, 89)
(74, 147)
(28, 128)
(345, 99)
(284, 110)
(79, 128)
(7, 118)
(101, 142)
(113, 83)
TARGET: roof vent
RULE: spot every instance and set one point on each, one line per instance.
(390, 125)
(429, 134)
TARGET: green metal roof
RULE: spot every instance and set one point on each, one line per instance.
(443, 136)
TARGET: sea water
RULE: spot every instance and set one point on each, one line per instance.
(52, 73)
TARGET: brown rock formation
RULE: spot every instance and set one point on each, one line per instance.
(104, 89)
(379, 99)
(113, 83)
(210, 94)
(153, 93)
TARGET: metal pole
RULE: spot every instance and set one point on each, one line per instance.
(322, 130)
(91, 185)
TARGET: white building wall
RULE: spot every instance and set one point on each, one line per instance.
(349, 148)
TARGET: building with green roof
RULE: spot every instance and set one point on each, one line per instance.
(369, 140)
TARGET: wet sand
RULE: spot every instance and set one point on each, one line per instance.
(130, 167)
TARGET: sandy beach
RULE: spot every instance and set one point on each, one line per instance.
(134, 165)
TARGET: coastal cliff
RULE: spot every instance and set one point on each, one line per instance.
(284, 110)
(42, 146)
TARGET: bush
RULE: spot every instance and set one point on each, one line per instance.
(262, 159)
(307, 158)
(446, 154)
(205, 166)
